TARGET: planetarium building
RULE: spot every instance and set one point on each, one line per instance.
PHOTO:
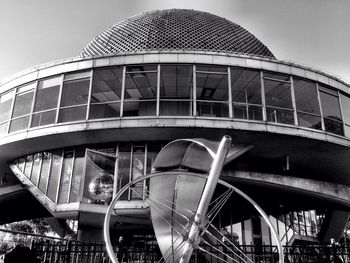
(76, 131)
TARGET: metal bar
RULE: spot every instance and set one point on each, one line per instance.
(123, 93)
(33, 104)
(320, 104)
(60, 174)
(230, 110)
(71, 176)
(214, 174)
(158, 91)
(293, 101)
(263, 99)
(194, 92)
(89, 96)
(59, 98)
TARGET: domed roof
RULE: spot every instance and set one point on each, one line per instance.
(176, 29)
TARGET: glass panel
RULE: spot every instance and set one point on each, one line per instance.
(138, 170)
(175, 108)
(75, 92)
(345, 103)
(99, 178)
(211, 68)
(23, 104)
(21, 163)
(54, 175)
(77, 75)
(139, 108)
(240, 111)
(44, 118)
(330, 105)
(5, 105)
(124, 159)
(212, 87)
(28, 166)
(78, 170)
(45, 171)
(107, 85)
(212, 109)
(66, 177)
(26, 87)
(280, 116)
(333, 126)
(176, 82)
(141, 68)
(278, 94)
(306, 96)
(36, 168)
(19, 124)
(140, 85)
(255, 113)
(109, 110)
(276, 76)
(72, 114)
(3, 128)
(47, 94)
(309, 121)
(246, 86)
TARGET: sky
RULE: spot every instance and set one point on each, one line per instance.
(314, 33)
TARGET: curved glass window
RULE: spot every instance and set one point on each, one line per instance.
(74, 97)
(176, 85)
(5, 110)
(22, 107)
(246, 94)
(345, 103)
(55, 172)
(66, 176)
(46, 99)
(106, 93)
(45, 171)
(278, 97)
(331, 110)
(306, 100)
(212, 91)
(140, 97)
(36, 168)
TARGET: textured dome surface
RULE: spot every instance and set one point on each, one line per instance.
(176, 29)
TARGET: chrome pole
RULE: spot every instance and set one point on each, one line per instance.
(199, 218)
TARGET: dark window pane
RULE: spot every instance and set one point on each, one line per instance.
(140, 85)
(78, 170)
(107, 85)
(212, 87)
(45, 171)
(278, 94)
(44, 118)
(19, 124)
(21, 163)
(65, 177)
(345, 103)
(280, 116)
(28, 166)
(23, 104)
(5, 105)
(212, 109)
(309, 121)
(141, 68)
(109, 110)
(246, 86)
(330, 106)
(175, 108)
(36, 168)
(54, 175)
(211, 68)
(333, 126)
(139, 108)
(239, 111)
(75, 92)
(3, 128)
(72, 114)
(306, 96)
(255, 113)
(176, 82)
(276, 76)
(47, 94)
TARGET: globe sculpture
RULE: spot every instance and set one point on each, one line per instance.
(101, 187)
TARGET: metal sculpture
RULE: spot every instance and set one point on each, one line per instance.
(181, 205)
